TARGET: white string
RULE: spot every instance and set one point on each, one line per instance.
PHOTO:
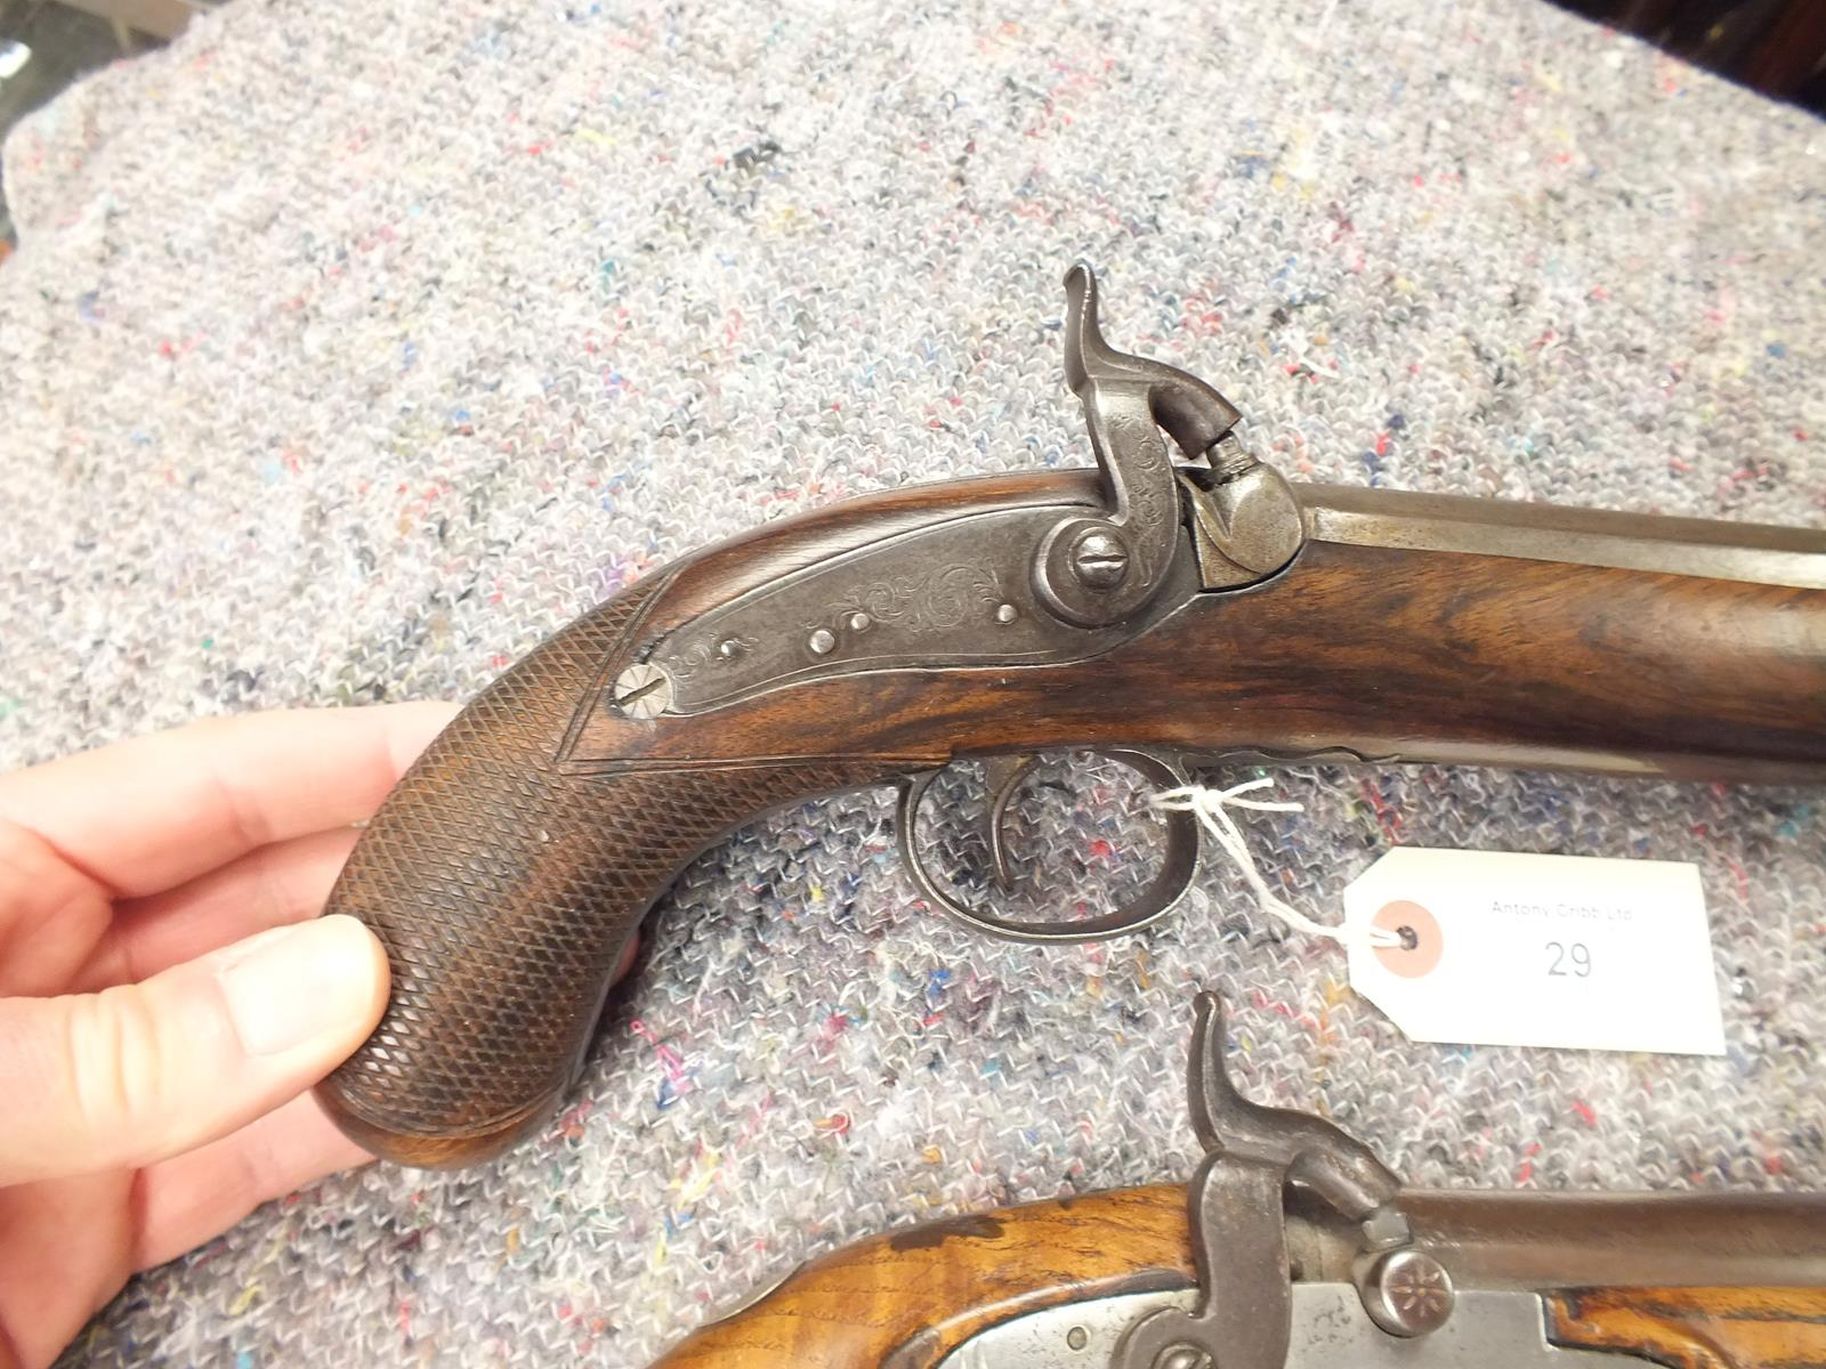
(1212, 808)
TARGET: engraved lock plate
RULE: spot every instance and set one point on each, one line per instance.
(952, 594)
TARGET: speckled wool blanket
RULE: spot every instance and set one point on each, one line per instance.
(353, 346)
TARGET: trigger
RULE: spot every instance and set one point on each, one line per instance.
(1004, 774)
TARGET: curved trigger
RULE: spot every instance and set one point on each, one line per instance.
(1005, 774)
(1178, 868)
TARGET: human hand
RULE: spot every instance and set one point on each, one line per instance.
(168, 995)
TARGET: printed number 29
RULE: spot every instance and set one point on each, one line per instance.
(1572, 960)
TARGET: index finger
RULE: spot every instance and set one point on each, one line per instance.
(146, 814)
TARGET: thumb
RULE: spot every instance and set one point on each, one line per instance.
(136, 1073)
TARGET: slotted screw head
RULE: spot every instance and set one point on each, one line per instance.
(643, 690)
(1099, 559)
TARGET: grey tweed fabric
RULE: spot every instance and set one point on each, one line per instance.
(351, 347)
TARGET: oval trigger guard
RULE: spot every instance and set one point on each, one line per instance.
(1178, 866)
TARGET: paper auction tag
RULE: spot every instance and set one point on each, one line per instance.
(1504, 949)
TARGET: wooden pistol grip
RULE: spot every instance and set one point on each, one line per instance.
(510, 865)
(508, 868)
(505, 889)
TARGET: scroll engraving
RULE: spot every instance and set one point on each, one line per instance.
(937, 603)
(697, 655)
(954, 594)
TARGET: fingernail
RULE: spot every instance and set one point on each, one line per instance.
(289, 985)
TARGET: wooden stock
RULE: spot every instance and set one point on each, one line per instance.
(1386, 653)
(906, 1300)
(1696, 1328)
(512, 863)
(924, 1291)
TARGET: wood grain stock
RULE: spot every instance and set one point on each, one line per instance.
(907, 1299)
(512, 863)
(1696, 1328)
(1385, 653)
(918, 1294)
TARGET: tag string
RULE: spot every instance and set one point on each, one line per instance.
(1212, 809)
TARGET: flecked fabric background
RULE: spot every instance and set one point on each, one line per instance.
(353, 346)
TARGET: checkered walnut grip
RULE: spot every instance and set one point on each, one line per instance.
(505, 890)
